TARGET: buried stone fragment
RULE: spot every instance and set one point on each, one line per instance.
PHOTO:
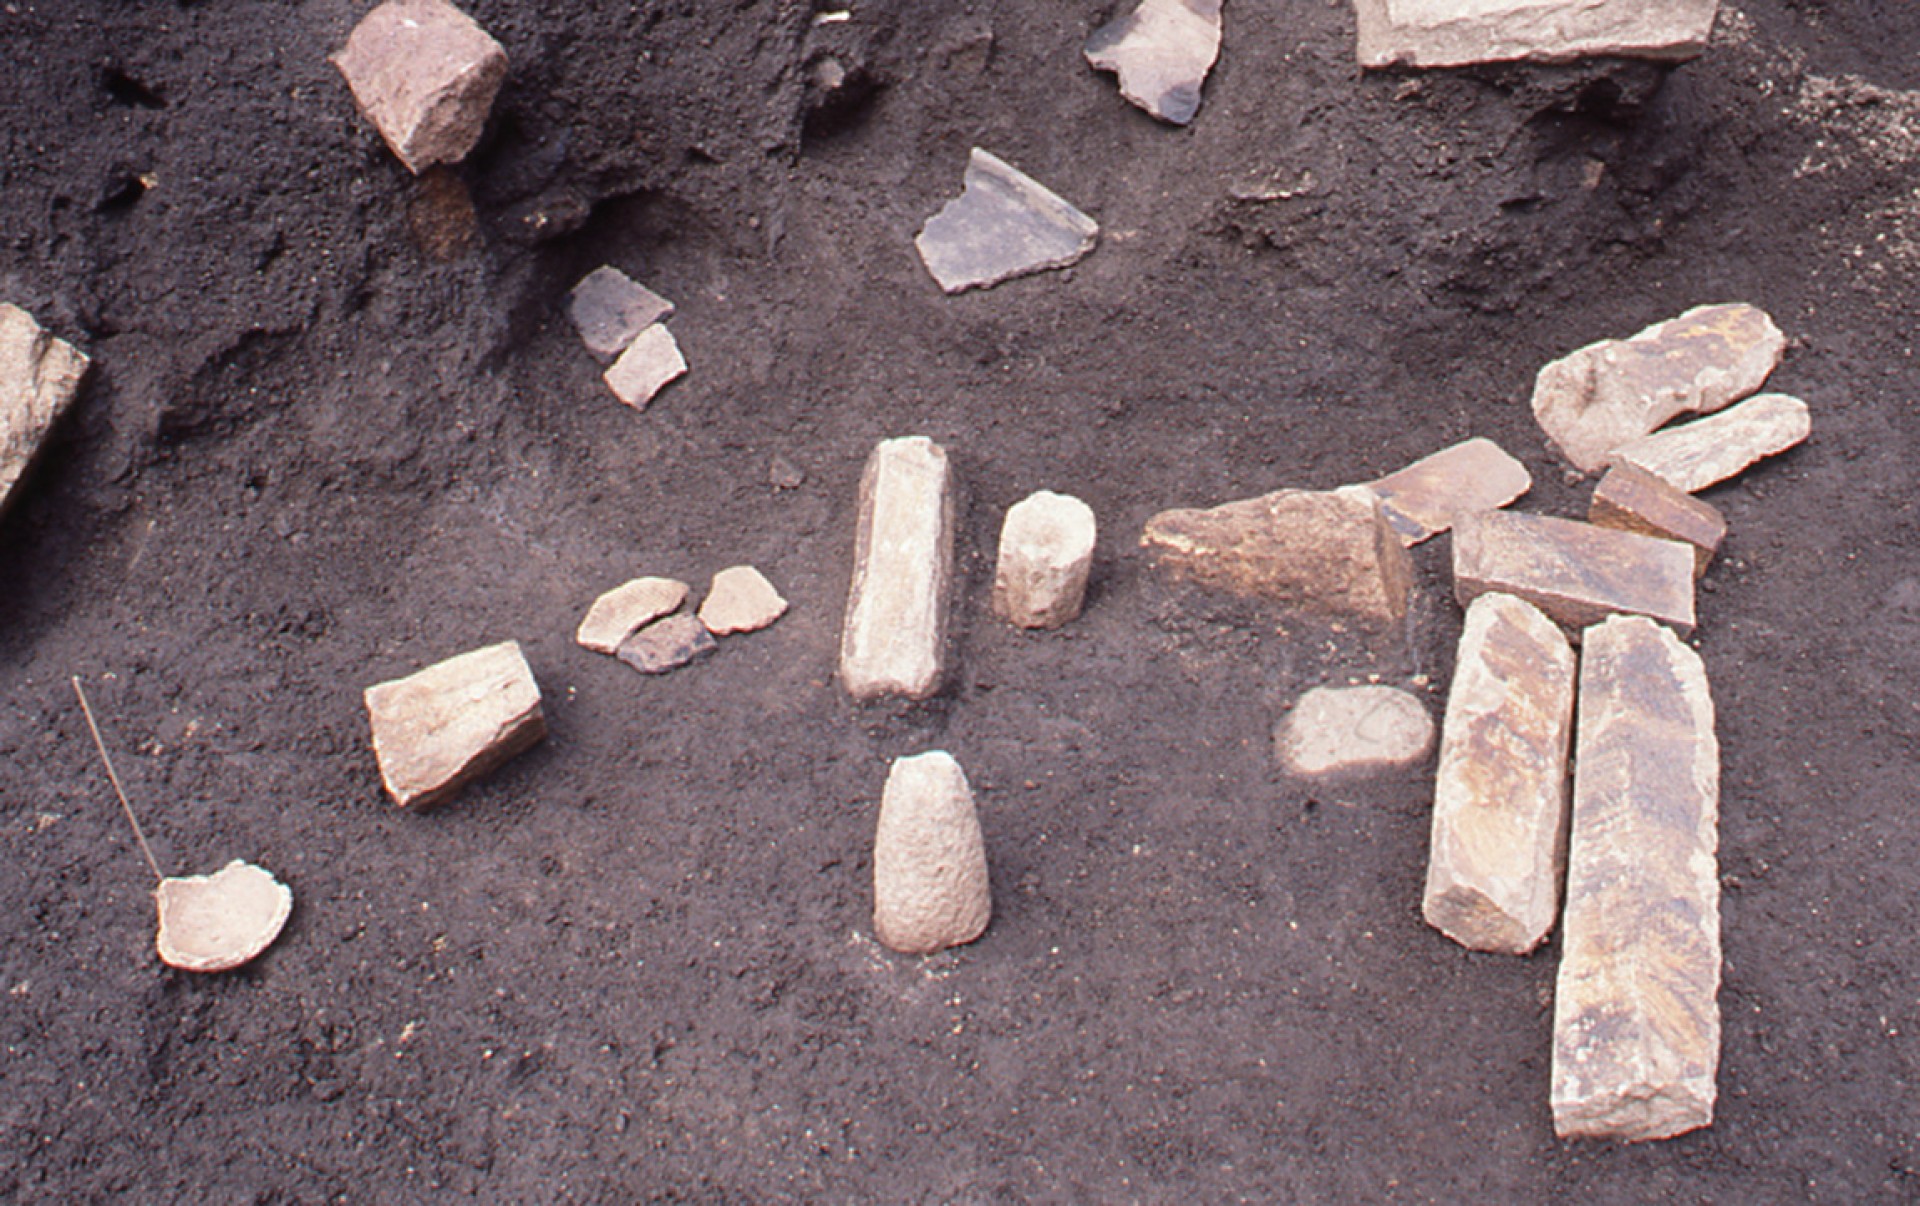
(39, 376)
(1005, 224)
(667, 644)
(740, 600)
(1422, 500)
(1693, 456)
(611, 309)
(425, 75)
(651, 361)
(1575, 572)
(894, 638)
(616, 614)
(1452, 33)
(214, 923)
(1633, 500)
(930, 884)
(1162, 51)
(439, 729)
(1046, 553)
(1353, 730)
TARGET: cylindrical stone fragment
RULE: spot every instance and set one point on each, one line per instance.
(894, 638)
(1046, 551)
(930, 888)
(1636, 1027)
(1500, 798)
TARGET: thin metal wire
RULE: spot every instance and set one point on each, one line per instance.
(117, 789)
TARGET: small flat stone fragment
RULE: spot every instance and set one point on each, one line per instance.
(1046, 553)
(1453, 33)
(425, 75)
(1162, 51)
(1005, 224)
(1575, 572)
(741, 600)
(667, 644)
(644, 369)
(617, 614)
(1632, 500)
(438, 730)
(1500, 797)
(611, 309)
(1616, 391)
(215, 923)
(930, 885)
(1422, 499)
(1353, 730)
(1636, 1023)
(895, 636)
(1332, 554)
(1695, 455)
(39, 376)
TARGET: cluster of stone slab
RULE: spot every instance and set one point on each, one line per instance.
(623, 322)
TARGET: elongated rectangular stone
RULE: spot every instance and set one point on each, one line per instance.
(1500, 798)
(1630, 499)
(1475, 475)
(1636, 1022)
(1451, 33)
(1693, 456)
(894, 639)
(1575, 572)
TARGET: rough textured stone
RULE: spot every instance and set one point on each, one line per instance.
(1004, 224)
(425, 75)
(1353, 730)
(214, 923)
(616, 615)
(1575, 572)
(1632, 500)
(1636, 1026)
(930, 886)
(39, 376)
(1609, 393)
(1500, 798)
(1422, 500)
(666, 644)
(895, 637)
(440, 729)
(1046, 552)
(740, 600)
(1451, 33)
(611, 310)
(1162, 51)
(1695, 455)
(643, 370)
(1331, 554)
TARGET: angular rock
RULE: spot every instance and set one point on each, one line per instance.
(611, 309)
(1575, 572)
(1695, 455)
(930, 885)
(1452, 33)
(1500, 797)
(740, 600)
(666, 644)
(1331, 554)
(1353, 730)
(215, 923)
(1609, 393)
(1422, 500)
(425, 75)
(895, 636)
(1162, 51)
(1636, 1026)
(1632, 500)
(438, 730)
(1005, 224)
(616, 615)
(39, 376)
(650, 361)
(1046, 553)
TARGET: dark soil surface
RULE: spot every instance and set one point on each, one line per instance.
(339, 428)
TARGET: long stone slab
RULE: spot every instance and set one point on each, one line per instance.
(1575, 572)
(1003, 224)
(1636, 1023)
(39, 376)
(1452, 33)
(895, 635)
(1500, 798)
(1693, 456)
(1475, 475)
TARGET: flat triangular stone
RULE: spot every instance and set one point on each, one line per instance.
(1162, 51)
(212, 923)
(1423, 499)
(611, 309)
(1005, 224)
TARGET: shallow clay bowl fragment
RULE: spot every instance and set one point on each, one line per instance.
(211, 923)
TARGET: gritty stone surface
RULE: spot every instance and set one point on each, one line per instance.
(439, 729)
(1162, 51)
(214, 923)
(425, 75)
(39, 376)
(667, 644)
(1696, 455)
(1046, 553)
(1616, 391)
(1331, 554)
(1353, 730)
(1575, 572)
(1633, 500)
(895, 636)
(740, 600)
(1004, 224)
(1636, 1023)
(616, 615)
(611, 309)
(1422, 500)
(643, 370)
(1500, 797)
(930, 885)
(1451, 33)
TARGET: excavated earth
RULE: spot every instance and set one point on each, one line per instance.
(339, 427)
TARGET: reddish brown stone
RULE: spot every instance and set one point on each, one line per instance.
(1577, 573)
(425, 75)
(1629, 499)
(1475, 475)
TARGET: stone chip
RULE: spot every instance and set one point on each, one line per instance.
(1162, 51)
(618, 613)
(740, 600)
(1003, 224)
(667, 644)
(651, 361)
(611, 309)
(215, 923)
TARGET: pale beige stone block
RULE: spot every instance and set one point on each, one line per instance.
(895, 636)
